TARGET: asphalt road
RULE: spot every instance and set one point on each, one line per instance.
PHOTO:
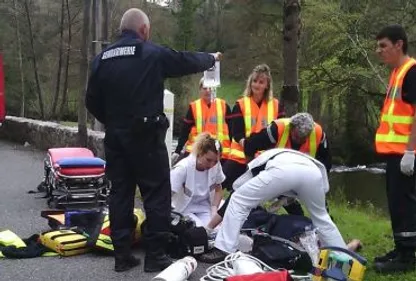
(21, 170)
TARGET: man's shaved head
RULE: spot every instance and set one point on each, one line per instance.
(136, 20)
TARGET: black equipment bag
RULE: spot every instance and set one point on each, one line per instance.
(186, 238)
(280, 253)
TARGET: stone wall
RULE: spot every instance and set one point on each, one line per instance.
(44, 135)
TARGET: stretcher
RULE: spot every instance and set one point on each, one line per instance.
(72, 176)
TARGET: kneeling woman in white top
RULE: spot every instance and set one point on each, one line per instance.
(196, 181)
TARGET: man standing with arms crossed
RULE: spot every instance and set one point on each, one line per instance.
(125, 93)
(396, 141)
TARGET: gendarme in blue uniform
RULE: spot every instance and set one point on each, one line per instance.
(125, 93)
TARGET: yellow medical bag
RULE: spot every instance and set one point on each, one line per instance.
(65, 242)
(339, 264)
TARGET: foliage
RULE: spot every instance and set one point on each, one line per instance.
(342, 82)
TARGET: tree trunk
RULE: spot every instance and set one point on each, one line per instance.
(35, 65)
(104, 28)
(64, 103)
(218, 19)
(97, 28)
(59, 70)
(83, 71)
(19, 47)
(291, 32)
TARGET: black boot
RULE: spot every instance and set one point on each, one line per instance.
(124, 263)
(388, 256)
(156, 261)
(402, 262)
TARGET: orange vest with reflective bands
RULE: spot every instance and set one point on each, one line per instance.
(212, 120)
(255, 119)
(310, 146)
(396, 116)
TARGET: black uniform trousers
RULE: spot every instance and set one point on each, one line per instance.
(137, 155)
(401, 197)
(233, 170)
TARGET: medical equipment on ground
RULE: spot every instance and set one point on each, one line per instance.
(338, 264)
(238, 264)
(178, 271)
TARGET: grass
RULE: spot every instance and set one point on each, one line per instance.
(69, 123)
(231, 90)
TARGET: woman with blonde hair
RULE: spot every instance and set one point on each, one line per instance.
(196, 181)
(251, 113)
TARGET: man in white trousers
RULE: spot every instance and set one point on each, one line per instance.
(273, 173)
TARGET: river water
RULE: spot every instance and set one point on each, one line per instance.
(361, 183)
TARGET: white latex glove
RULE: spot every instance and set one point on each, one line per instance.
(408, 162)
(217, 56)
(241, 142)
(174, 158)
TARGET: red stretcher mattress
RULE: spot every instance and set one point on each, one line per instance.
(59, 154)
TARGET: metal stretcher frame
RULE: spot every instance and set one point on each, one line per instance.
(65, 190)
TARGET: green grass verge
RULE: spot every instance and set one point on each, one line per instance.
(69, 123)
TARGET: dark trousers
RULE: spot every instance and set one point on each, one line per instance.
(138, 156)
(234, 170)
(401, 197)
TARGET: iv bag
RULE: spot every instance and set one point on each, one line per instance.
(212, 76)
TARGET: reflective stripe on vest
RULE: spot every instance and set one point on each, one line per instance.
(396, 116)
(104, 239)
(311, 144)
(199, 118)
(222, 135)
(253, 123)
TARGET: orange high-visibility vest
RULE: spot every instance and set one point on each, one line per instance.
(255, 119)
(212, 120)
(396, 116)
(310, 146)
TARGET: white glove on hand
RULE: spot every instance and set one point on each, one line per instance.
(217, 56)
(408, 162)
(174, 158)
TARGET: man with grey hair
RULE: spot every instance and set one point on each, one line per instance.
(298, 132)
(125, 93)
(303, 123)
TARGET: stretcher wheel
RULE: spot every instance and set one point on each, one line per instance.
(42, 187)
(53, 203)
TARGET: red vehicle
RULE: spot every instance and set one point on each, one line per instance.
(2, 100)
